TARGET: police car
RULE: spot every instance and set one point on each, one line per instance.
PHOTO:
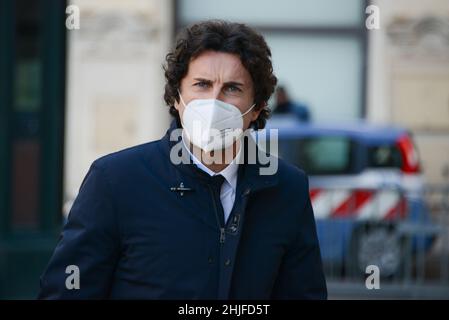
(366, 189)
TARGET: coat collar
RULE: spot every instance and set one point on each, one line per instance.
(249, 178)
(229, 172)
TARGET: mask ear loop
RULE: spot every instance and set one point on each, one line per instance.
(185, 106)
(180, 118)
(247, 111)
(182, 100)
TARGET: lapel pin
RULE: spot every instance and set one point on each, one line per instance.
(181, 189)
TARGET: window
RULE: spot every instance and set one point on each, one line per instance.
(32, 38)
(26, 107)
(275, 13)
(318, 47)
(324, 73)
(384, 156)
(32, 64)
(319, 155)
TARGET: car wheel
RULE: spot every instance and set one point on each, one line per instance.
(380, 246)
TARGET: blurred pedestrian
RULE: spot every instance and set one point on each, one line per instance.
(284, 105)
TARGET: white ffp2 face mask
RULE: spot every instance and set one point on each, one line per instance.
(212, 124)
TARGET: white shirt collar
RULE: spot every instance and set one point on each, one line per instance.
(229, 173)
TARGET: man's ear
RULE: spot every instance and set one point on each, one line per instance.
(254, 116)
(176, 105)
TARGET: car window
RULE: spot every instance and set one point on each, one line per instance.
(319, 155)
(384, 156)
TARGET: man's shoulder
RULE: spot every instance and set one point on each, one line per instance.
(292, 175)
(289, 170)
(129, 157)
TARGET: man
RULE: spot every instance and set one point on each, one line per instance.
(148, 226)
(284, 105)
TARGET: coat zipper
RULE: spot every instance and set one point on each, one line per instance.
(222, 235)
(222, 229)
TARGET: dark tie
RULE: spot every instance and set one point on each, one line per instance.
(216, 182)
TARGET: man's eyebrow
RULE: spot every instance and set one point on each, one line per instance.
(234, 83)
(228, 83)
(203, 79)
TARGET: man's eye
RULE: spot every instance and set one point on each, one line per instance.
(233, 89)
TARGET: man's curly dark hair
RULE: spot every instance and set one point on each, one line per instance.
(228, 37)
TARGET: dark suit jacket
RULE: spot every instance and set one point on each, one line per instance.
(132, 236)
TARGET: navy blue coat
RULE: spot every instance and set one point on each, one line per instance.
(132, 236)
